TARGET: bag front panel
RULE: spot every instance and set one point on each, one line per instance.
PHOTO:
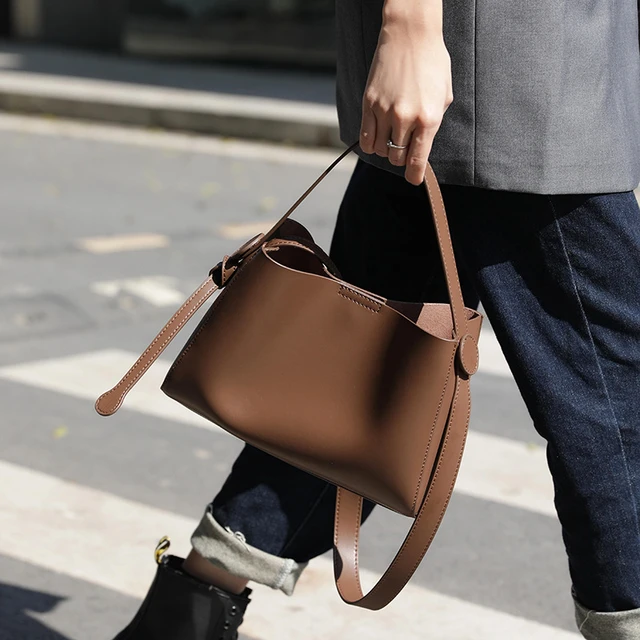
(323, 377)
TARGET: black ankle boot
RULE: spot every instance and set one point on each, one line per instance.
(180, 607)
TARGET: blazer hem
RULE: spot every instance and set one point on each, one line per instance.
(496, 177)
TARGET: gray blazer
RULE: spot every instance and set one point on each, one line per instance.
(546, 92)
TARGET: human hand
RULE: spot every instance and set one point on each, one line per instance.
(409, 88)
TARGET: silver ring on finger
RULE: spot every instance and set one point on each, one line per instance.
(399, 147)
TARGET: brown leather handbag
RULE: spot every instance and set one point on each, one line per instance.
(369, 394)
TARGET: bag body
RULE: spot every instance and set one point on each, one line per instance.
(322, 375)
(369, 394)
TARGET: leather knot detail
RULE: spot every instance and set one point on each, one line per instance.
(246, 249)
(468, 354)
(223, 271)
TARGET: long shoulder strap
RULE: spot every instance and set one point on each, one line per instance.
(423, 530)
(112, 400)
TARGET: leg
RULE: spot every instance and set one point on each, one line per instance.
(558, 277)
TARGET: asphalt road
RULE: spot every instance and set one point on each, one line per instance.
(103, 232)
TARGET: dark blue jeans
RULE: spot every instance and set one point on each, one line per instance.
(559, 279)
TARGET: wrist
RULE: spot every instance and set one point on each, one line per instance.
(420, 17)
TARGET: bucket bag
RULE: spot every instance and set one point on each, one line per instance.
(369, 394)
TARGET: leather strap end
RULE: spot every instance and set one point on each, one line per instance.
(108, 403)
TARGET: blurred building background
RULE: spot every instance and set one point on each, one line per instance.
(280, 32)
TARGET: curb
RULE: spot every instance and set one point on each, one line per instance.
(226, 115)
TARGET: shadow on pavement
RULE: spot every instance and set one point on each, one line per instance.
(16, 606)
(305, 86)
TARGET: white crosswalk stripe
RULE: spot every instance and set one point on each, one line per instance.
(46, 521)
(116, 244)
(491, 359)
(160, 291)
(494, 468)
(88, 375)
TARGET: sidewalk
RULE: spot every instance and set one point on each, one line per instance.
(291, 107)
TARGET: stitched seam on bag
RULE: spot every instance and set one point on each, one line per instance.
(444, 508)
(432, 536)
(450, 245)
(275, 244)
(446, 503)
(335, 529)
(150, 348)
(433, 428)
(342, 292)
(210, 315)
(444, 446)
(357, 546)
(357, 538)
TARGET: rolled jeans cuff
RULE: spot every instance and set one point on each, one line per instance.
(597, 625)
(228, 550)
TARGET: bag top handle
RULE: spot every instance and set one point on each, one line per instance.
(109, 402)
(443, 234)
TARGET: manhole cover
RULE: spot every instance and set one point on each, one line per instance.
(23, 317)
